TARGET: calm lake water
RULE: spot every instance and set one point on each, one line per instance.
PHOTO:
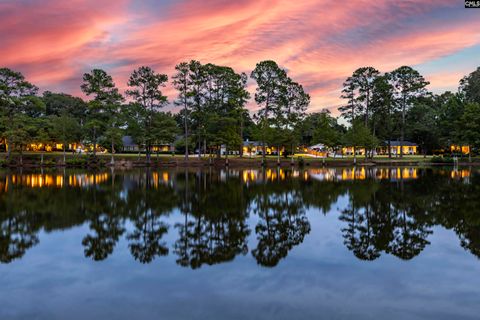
(364, 243)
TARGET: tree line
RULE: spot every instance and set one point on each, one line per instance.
(212, 100)
(397, 106)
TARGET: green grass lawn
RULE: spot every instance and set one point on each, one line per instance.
(165, 157)
(307, 157)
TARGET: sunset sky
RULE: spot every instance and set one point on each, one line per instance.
(319, 42)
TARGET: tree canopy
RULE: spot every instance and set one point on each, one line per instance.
(213, 117)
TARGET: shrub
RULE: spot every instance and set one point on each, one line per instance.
(76, 162)
(301, 162)
(49, 162)
(441, 159)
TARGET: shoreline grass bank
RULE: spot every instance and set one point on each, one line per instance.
(34, 160)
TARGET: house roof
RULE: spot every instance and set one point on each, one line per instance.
(252, 143)
(127, 141)
(317, 146)
(396, 143)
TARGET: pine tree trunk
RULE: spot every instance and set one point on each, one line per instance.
(366, 109)
(148, 153)
(94, 142)
(241, 137)
(112, 160)
(226, 155)
(403, 127)
(278, 155)
(9, 151)
(186, 133)
(204, 147)
(264, 150)
(291, 157)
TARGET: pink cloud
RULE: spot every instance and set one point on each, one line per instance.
(47, 39)
(320, 43)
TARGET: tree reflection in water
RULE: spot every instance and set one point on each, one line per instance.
(147, 203)
(361, 234)
(145, 241)
(106, 223)
(16, 237)
(282, 224)
(214, 228)
(379, 219)
(388, 211)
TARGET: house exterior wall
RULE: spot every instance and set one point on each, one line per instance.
(411, 150)
(462, 149)
(348, 151)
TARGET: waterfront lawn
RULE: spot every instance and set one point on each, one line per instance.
(35, 156)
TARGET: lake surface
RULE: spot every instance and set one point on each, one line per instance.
(336, 243)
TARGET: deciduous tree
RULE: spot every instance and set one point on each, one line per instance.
(15, 94)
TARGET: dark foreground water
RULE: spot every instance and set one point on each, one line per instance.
(373, 243)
